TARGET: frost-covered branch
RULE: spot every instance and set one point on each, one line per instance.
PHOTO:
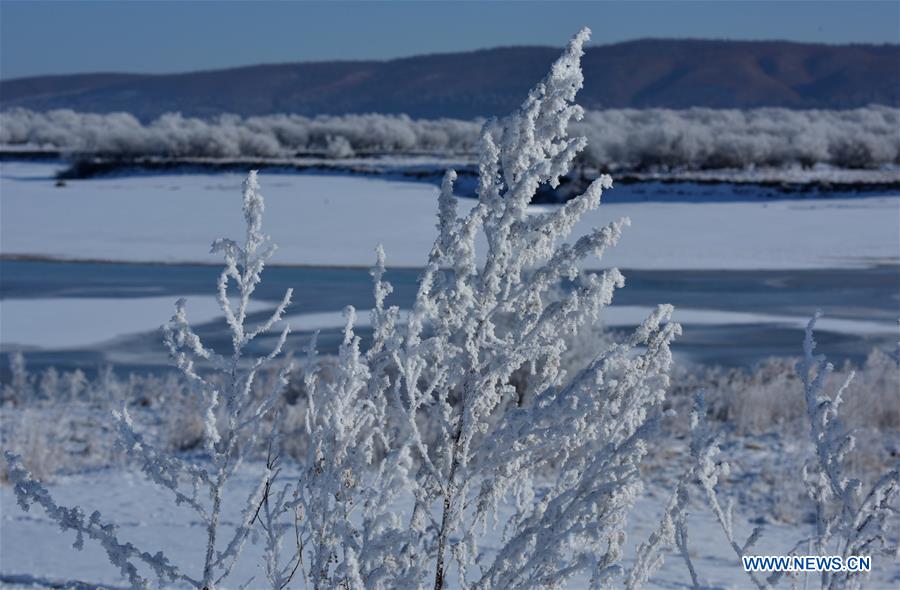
(125, 556)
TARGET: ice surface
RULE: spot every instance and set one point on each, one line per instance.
(338, 220)
(80, 322)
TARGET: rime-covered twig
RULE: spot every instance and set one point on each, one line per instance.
(849, 519)
(709, 472)
(672, 529)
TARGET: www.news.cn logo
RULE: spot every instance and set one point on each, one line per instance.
(807, 563)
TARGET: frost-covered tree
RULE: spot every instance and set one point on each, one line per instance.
(620, 139)
(232, 419)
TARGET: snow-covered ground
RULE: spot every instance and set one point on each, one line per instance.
(336, 220)
(160, 525)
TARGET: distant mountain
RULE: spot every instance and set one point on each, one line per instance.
(645, 73)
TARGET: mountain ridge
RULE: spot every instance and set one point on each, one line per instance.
(485, 82)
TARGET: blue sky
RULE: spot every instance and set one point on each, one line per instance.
(43, 37)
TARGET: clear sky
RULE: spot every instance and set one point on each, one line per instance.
(43, 37)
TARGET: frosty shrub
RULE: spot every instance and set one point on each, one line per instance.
(21, 386)
(761, 409)
(55, 431)
(763, 399)
(57, 420)
(36, 444)
(850, 517)
(416, 443)
(232, 418)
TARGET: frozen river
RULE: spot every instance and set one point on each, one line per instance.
(784, 257)
(91, 314)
